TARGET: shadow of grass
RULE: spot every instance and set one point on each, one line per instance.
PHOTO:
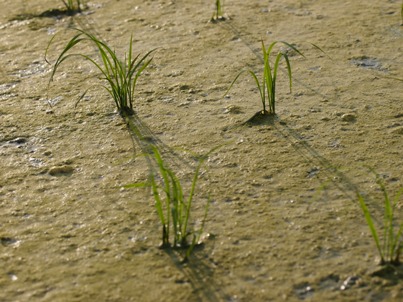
(261, 118)
(199, 271)
(310, 155)
(392, 273)
(329, 173)
(143, 137)
(51, 13)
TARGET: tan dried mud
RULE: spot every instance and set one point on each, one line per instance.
(284, 224)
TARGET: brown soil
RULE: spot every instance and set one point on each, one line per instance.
(284, 223)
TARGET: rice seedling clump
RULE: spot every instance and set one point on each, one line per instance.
(120, 75)
(72, 6)
(389, 244)
(267, 88)
(218, 13)
(172, 207)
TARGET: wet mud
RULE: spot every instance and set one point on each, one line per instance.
(284, 222)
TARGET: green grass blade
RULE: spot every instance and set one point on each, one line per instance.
(218, 4)
(177, 210)
(195, 179)
(233, 82)
(388, 221)
(67, 4)
(321, 50)
(371, 225)
(140, 62)
(120, 75)
(196, 237)
(137, 185)
(270, 84)
(134, 80)
(80, 98)
(158, 201)
(160, 212)
(167, 184)
(190, 198)
(129, 59)
(74, 41)
(261, 89)
(396, 244)
(297, 50)
(270, 48)
(288, 70)
(268, 77)
(47, 48)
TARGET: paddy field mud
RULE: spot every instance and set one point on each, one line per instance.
(284, 223)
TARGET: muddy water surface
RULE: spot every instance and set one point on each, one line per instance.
(284, 223)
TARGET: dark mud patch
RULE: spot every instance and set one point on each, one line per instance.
(368, 62)
(303, 290)
(18, 141)
(7, 90)
(330, 282)
(8, 241)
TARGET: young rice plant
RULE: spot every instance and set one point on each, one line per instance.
(121, 75)
(71, 7)
(172, 207)
(390, 245)
(219, 12)
(267, 88)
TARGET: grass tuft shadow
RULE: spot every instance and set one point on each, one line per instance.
(59, 13)
(312, 156)
(261, 118)
(200, 274)
(50, 13)
(392, 273)
(146, 140)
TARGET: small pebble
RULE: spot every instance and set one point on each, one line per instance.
(349, 282)
(349, 117)
(232, 109)
(398, 130)
(59, 170)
